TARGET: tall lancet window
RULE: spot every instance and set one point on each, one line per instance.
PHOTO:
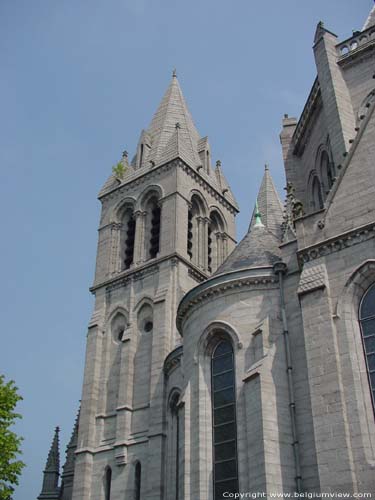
(107, 483)
(316, 195)
(153, 227)
(174, 445)
(128, 235)
(137, 481)
(225, 473)
(367, 320)
(327, 171)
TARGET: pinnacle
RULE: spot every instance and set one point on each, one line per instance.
(53, 459)
(269, 205)
(370, 21)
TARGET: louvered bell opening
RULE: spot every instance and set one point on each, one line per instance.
(190, 235)
(155, 232)
(129, 243)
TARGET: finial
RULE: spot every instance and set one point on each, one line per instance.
(218, 163)
(174, 74)
(266, 166)
(177, 125)
(258, 220)
(125, 154)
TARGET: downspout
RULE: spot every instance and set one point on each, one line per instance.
(280, 269)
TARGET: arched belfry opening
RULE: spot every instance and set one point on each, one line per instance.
(127, 236)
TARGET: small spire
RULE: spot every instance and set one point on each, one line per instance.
(258, 219)
(174, 73)
(125, 154)
(266, 166)
(50, 488)
(218, 163)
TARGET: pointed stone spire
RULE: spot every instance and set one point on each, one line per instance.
(161, 132)
(260, 246)
(50, 488)
(370, 21)
(67, 476)
(269, 205)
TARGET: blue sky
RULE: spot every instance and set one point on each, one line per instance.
(80, 79)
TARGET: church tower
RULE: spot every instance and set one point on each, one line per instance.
(167, 223)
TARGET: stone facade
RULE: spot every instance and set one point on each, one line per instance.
(171, 287)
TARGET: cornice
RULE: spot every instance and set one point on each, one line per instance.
(145, 175)
(336, 243)
(313, 104)
(130, 275)
(255, 278)
(173, 360)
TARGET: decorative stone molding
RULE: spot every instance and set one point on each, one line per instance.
(145, 272)
(304, 127)
(173, 360)
(337, 243)
(208, 188)
(196, 275)
(144, 175)
(313, 277)
(121, 455)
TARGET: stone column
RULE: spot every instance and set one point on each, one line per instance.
(116, 257)
(206, 222)
(199, 245)
(139, 240)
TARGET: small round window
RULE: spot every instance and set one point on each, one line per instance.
(148, 326)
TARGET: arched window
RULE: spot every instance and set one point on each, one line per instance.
(225, 470)
(152, 227)
(127, 237)
(107, 483)
(316, 194)
(143, 357)
(137, 481)
(174, 434)
(367, 321)
(327, 173)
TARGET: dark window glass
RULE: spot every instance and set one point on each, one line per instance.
(368, 327)
(367, 321)
(371, 362)
(225, 451)
(224, 363)
(370, 344)
(230, 486)
(108, 480)
(223, 397)
(226, 470)
(223, 380)
(224, 420)
(137, 482)
(368, 304)
(224, 432)
(224, 414)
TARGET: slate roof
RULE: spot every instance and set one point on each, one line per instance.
(172, 110)
(259, 248)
